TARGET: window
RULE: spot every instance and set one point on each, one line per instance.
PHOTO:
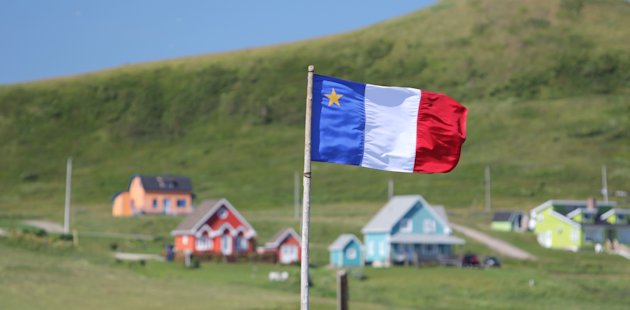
(154, 204)
(241, 244)
(406, 225)
(381, 248)
(223, 213)
(370, 248)
(575, 235)
(204, 243)
(428, 226)
(185, 240)
(181, 203)
(351, 253)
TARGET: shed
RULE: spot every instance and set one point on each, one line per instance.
(346, 251)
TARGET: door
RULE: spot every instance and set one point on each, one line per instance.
(167, 206)
(288, 254)
(226, 245)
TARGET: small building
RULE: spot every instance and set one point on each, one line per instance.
(346, 251)
(507, 221)
(285, 246)
(169, 195)
(573, 224)
(215, 228)
(408, 230)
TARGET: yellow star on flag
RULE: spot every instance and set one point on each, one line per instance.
(333, 97)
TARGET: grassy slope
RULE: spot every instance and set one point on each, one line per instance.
(545, 82)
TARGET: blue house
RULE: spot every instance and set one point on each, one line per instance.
(346, 251)
(407, 231)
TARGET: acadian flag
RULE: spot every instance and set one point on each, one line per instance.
(387, 128)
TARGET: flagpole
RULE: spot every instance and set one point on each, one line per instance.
(306, 197)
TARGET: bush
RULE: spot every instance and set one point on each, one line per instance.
(66, 237)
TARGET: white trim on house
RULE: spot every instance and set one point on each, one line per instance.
(223, 202)
(565, 219)
(342, 241)
(217, 206)
(540, 208)
(285, 234)
(416, 199)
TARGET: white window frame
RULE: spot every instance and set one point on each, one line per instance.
(381, 248)
(185, 240)
(351, 253)
(406, 225)
(371, 248)
(223, 213)
(429, 226)
(204, 243)
(575, 235)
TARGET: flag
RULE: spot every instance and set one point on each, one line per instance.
(387, 128)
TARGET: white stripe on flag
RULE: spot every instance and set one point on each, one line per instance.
(391, 116)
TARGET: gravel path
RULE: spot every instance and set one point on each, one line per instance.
(48, 226)
(498, 245)
(137, 257)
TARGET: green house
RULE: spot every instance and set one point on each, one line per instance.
(507, 221)
(573, 224)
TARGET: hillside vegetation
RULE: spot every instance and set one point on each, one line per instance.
(546, 83)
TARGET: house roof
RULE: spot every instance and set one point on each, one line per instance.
(280, 236)
(567, 206)
(203, 212)
(425, 239)
(394, 210)
(342, 241)
(165, 183)
(611, 212)
(441, 212)
(503, 216)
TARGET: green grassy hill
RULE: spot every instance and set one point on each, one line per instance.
(546, 83)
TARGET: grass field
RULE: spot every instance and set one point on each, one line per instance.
(35, 274)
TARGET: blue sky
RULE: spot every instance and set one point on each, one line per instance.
(43, 39)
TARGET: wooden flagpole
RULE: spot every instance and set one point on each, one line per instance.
(306, 197)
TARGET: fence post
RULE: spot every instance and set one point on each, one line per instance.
(342, 290)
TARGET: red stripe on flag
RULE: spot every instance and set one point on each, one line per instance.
(441, 131)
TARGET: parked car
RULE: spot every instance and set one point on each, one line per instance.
(470, 260)
(491, 262)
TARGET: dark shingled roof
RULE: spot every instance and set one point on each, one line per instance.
(166, 183)
(194, 218)
(502, 216)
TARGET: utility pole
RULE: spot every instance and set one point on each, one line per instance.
(296, 196)
(487, 183)
(66, 217)
(604, 183)
(390, 189)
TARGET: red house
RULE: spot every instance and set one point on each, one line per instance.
(286, 246)
(215, 227)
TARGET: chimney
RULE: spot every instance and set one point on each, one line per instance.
(591, 204)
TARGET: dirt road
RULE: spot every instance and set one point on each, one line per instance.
(498, 245)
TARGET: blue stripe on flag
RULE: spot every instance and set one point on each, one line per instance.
(337, 129)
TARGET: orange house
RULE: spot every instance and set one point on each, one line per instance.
(285, 246)
(154, 195)
(215, 227)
